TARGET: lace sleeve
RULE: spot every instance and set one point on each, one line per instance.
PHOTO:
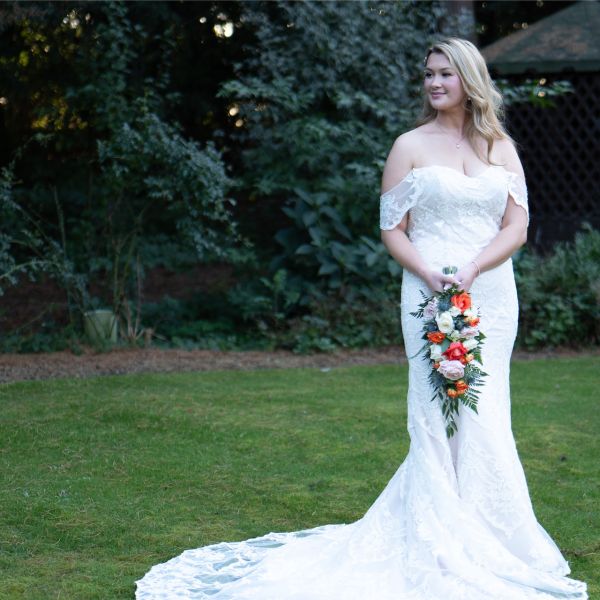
(517, 190)
(397, 201)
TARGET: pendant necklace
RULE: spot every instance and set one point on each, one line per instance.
(457, 144)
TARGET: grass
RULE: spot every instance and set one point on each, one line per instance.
(104, 477)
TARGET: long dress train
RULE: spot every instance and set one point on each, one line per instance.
(455, 522)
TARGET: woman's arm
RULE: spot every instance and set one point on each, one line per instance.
(397, 166)
(513, 232)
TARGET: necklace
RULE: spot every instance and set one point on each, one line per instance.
(458, 143)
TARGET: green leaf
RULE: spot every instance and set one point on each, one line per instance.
(305, 249)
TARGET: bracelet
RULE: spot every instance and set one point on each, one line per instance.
(478, 269)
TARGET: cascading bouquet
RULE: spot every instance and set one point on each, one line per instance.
(453, 347)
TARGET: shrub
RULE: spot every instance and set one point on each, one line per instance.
(323, 91)
(120, 183)
(348, 320)
(559, 295)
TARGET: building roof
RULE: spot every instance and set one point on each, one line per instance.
(568, 40)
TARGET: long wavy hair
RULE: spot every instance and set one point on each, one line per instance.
(484, 106)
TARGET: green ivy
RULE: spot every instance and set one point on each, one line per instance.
(323, 91)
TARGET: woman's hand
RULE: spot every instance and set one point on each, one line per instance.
(466, 276)
(436, 281)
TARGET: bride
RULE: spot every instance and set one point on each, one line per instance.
(455, 522)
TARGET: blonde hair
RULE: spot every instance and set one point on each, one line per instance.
(484, 106)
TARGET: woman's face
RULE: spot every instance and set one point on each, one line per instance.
(442, 84)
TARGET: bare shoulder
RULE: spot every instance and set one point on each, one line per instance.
(414, 139)
(505, 154)
(407, 142)
(401, 158)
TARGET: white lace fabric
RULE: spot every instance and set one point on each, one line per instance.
(455, 522)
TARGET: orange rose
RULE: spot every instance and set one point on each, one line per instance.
(437, 337)
(452, 393)
(461, 387)
(436, 365)
(463, 360)
(474, 321)
(469, 357)
(462, 301)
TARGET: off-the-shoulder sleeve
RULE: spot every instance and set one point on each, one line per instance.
(396, 202)
(517, 189)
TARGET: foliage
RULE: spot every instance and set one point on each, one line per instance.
(273, 312)
(155, 183)
(111, 475)
(13, 236)
(281, 311)
(204, 322)
(496, 20)
(48, 338)
(322, 93)
(148, 166)
(124, 180)
(538, 92)
(348, 319)
(267, 302)
(559, 295)
(26, 249)
(339, 254)
(120, 157)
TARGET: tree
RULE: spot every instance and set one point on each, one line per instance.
(115, 182)
(320, 96)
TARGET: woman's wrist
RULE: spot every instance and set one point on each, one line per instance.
(476, 267)
(424, 273)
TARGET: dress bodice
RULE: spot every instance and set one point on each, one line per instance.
(452, 216)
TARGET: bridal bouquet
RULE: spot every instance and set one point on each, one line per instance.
(453, 347)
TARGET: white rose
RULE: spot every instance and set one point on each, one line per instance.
(469, 332)
(455, 311)
(435, 352)
(431, 309)
(470, 343)
(455, 336)
(445, 322)
(451, 369)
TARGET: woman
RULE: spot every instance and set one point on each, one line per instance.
(455, 522)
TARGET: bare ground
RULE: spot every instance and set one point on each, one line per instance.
(18, 367)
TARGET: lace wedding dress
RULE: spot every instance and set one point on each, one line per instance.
(455, 522)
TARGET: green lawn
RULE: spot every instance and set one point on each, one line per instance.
(102, 478)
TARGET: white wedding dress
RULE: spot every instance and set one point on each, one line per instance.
(455, 522)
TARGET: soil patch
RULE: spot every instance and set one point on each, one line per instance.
(18, 367)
